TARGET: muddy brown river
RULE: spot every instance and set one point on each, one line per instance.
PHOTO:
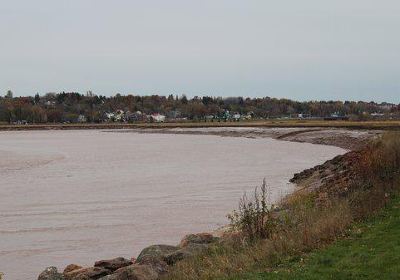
(81, 196)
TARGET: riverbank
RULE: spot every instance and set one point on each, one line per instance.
(357, 125)
(343, 138)
(346, 135)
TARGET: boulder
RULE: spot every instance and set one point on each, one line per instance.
(71, 267)
(117, 276)
(200, 238)
(138, 272)
(81, 277)
(156, 252)
(133, 272)
(92, 273)
(159, 266)
(223, 231)
(113, 264)
(51, 273)
(186, 252)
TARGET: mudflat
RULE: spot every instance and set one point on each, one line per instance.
(75, 196)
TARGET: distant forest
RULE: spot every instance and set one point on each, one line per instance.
(73, 107)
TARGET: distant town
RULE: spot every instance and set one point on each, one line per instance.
(73, 107)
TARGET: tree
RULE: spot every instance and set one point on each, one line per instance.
(9, 94)
(184, 99)
(37, 98)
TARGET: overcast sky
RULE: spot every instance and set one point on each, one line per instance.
(305, 50)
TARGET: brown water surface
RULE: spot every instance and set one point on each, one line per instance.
(80, 196)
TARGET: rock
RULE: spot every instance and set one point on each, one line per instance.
(118, 276)
(139, 272)
(200, 238)
(91, 273)
(222, 231)
(156, 252)
(113, 264)
(81, 277)
(133, 272)
(51, 273)
(189, 251)
(160, 267)
(71, 267)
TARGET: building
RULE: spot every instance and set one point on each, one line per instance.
(82, 119)
(157, 118)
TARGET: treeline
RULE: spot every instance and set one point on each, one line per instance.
(73, 107)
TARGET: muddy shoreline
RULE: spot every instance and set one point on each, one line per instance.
(343, 138)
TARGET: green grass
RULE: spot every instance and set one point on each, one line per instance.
(370, 251)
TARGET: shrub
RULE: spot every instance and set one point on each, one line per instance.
(254, 218)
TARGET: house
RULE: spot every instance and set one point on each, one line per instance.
(110, 116)
(137, 116)
(377, 114)
(250, 115)
(157, 118)
(225, 115)
(175, 114)
(82, 119)
(117, 116)
(236, 116)
(386, 106)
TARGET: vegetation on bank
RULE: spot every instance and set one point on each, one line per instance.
(304, 224)
(73, 107)
(369, 251)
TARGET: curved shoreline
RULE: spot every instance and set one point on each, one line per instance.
(342, 138)
(281, 135)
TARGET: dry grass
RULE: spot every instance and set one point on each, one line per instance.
(307, 228)
(305, 225)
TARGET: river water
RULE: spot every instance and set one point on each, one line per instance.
(81, 196)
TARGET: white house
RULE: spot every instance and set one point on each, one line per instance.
(157, 118)
(82, 119)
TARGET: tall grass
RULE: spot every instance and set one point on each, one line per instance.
(254, 218)
(378, 176)
(268, 237)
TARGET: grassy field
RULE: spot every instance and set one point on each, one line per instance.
(371, 251)
(386, 125)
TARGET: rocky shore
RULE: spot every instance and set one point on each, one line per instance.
(152, 262)
(155, 261)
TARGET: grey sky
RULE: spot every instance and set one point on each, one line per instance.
(310, 49)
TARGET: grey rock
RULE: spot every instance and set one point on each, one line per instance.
(135, 272)
(200, 238)
(91, 273)
(71, 267)
(51, 273)
(113, 264)
(159, 266)
(189, 251)
(156, 252)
